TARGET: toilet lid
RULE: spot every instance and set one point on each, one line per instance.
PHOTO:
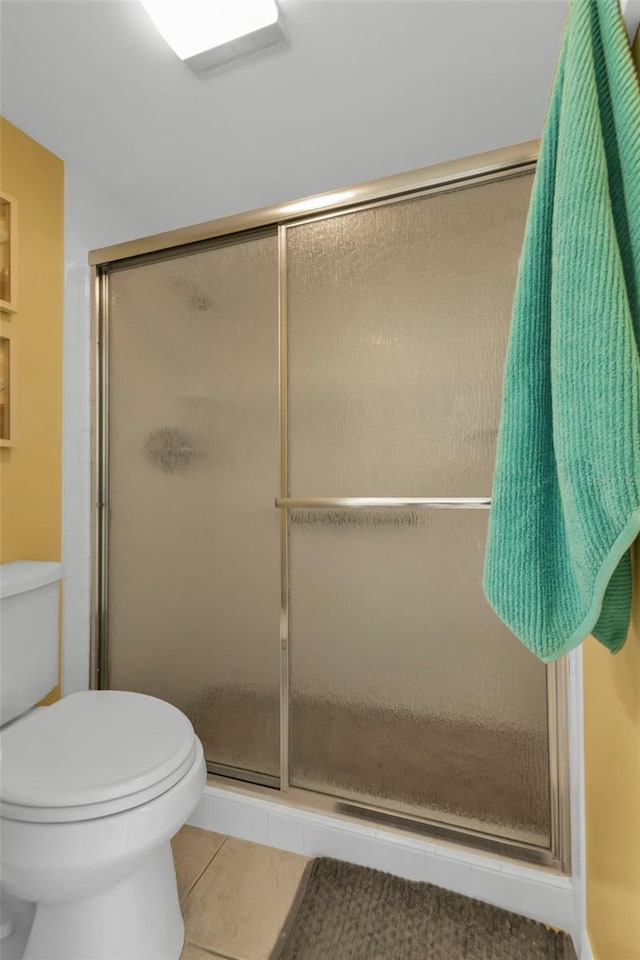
(92, 749)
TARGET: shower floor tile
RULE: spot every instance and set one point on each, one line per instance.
(237, 904)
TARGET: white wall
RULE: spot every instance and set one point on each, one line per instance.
(91, 220)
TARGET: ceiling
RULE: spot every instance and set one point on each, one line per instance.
(362, 89)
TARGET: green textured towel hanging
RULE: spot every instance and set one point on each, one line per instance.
(566, 492)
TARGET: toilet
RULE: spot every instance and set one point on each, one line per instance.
(92, 789)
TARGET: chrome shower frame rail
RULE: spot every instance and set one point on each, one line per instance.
(493, 165)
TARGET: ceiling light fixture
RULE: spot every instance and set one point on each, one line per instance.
(207, 33)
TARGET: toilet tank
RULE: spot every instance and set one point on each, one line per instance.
(29, 591)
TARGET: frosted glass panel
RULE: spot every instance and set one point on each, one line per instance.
(407, 691)
(194, 589)
(398, 323)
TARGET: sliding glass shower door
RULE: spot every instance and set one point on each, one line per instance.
(193, 533)
(407, 692)
(298, 433)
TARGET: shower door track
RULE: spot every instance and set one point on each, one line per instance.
(440, 178)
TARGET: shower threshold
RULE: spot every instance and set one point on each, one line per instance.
(367, 815)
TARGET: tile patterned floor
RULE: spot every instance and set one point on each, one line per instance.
(234, 894)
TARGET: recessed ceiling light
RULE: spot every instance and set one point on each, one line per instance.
(205, 33)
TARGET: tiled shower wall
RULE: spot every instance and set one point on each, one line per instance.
(91, 220)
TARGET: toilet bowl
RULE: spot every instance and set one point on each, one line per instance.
(92, 789)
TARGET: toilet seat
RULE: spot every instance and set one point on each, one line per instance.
(92, 754)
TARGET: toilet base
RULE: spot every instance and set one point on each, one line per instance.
(137, 918)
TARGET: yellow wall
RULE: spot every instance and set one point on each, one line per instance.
(31, 471)
(612, 784)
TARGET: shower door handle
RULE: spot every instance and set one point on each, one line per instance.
(359, 503)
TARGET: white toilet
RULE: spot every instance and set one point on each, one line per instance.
(92, 789)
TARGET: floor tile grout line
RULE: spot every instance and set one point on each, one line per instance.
(213, 953)
(204, 869)
(224, 840)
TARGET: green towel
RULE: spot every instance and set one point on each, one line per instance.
(566, 494)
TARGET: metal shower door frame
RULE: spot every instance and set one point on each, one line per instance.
(495, 165)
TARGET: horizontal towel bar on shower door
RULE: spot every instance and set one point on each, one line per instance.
(348, 503)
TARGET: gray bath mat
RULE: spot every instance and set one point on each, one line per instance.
(346, 912)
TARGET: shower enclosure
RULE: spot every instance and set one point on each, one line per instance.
(297, 418)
